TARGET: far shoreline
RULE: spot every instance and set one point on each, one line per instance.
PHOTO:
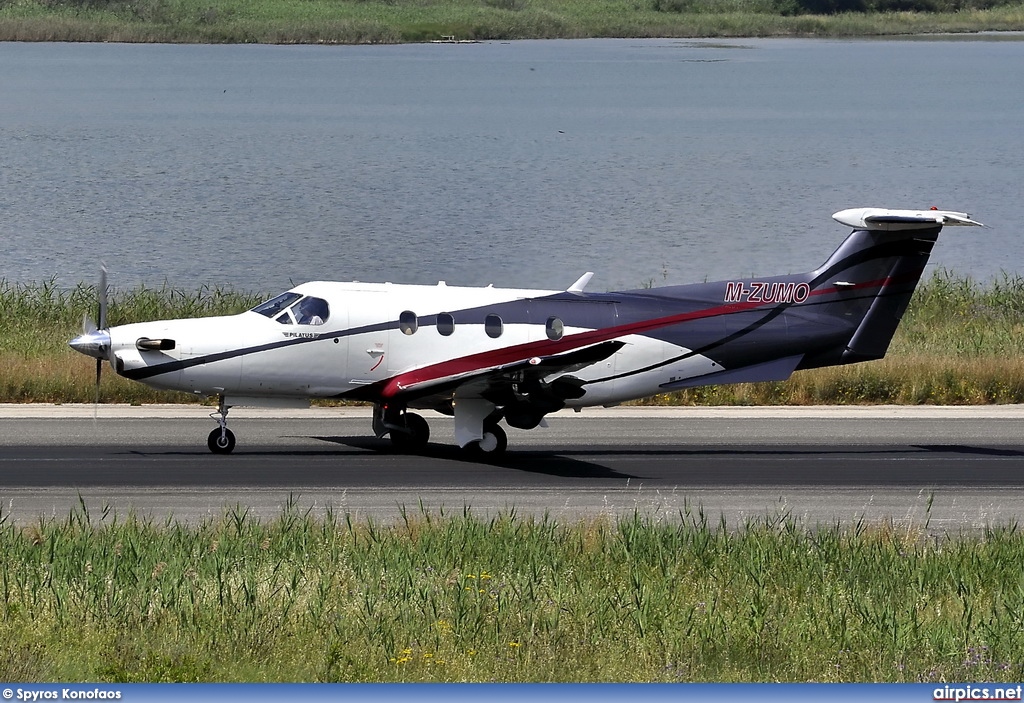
(344, 22)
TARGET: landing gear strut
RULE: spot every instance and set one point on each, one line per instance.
(221, 440)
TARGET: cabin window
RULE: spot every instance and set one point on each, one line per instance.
(493, 326)
(445, 323)
(284, 318)
(408, 322)
(554, 329)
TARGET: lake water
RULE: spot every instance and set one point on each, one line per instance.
(521, 164)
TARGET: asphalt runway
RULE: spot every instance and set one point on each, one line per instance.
(939, 469)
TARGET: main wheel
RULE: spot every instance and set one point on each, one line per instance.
(221, 443)
(415, 435)
(492, 444)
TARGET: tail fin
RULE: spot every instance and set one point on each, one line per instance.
(873, 274)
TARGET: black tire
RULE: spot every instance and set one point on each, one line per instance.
(415, 436)
(221, 444)
(492, 445)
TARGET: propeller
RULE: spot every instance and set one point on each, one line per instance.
(95, 338)
(101, 317)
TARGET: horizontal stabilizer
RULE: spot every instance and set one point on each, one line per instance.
(880, 219)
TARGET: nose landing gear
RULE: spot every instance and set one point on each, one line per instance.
(221, 440)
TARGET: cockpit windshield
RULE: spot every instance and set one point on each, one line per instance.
(294, 309)
(276, 305)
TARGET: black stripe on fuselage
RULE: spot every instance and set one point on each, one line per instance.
(180, 364)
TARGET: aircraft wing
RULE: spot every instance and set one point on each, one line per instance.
(434, 385)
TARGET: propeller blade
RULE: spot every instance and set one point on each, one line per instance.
(101, 315)
(95, 338)
(101, 294)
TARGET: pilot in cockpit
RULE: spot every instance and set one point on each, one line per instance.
(311, 311)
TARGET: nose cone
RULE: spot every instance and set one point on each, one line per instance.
(95, 344)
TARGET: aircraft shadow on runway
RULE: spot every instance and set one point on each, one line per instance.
(529, 461)
(966, 449)
(587, 463)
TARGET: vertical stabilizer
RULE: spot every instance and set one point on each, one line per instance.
(871, 277)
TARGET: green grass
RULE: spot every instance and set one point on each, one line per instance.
(959, 343)
(395, 21)
(462, 598)
(36, 365)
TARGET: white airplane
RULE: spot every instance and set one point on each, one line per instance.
(483, 355)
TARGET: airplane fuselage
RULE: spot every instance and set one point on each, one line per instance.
(362, 349)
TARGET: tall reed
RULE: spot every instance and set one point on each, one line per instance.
(960, 342)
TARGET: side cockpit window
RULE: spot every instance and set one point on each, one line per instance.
(294, 309)
(311, 311)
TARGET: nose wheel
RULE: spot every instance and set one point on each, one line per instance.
(221, 441)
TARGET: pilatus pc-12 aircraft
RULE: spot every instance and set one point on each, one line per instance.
(483, 355)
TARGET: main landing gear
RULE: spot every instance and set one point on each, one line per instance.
(476, 429)
(493, 443)
(221, 440)
(409, 432)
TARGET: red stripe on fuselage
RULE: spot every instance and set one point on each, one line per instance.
(510, 355)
